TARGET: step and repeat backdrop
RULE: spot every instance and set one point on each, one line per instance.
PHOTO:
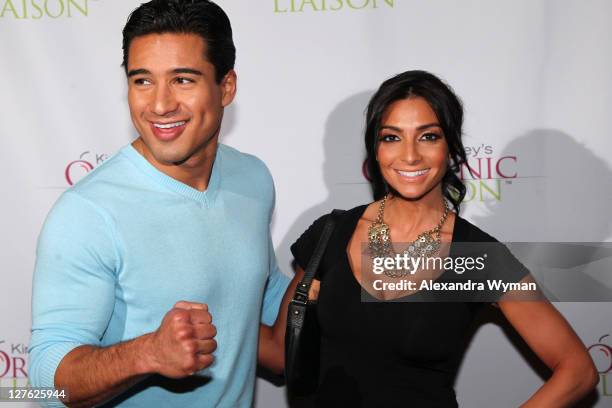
(535, 77)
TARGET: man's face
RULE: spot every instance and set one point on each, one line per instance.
(175, 103)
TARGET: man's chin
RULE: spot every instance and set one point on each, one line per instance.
(169, 158)
(176, 155)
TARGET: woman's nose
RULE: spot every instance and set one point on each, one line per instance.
(410, 153)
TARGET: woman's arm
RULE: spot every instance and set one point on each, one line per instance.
(551, 337)
(271, 351)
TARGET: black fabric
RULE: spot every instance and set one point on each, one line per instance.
(386, 354)
(302, 335)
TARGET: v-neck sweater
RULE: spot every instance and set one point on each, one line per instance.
(122, 246)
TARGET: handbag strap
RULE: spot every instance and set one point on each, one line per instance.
(301, 292)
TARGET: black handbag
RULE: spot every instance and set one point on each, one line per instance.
(302, 337)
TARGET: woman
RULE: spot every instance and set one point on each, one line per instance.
(406, 353)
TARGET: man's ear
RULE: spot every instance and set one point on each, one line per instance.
(228, 87)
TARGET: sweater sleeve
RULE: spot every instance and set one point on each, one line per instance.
(277, 282)
(73, 284)
(276, 287)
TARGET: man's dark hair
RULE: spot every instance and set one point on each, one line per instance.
(201, 17)
(448, 109)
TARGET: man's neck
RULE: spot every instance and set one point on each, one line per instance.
(194, 172)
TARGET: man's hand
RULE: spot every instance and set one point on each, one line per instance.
(184, 342)
(181, 345)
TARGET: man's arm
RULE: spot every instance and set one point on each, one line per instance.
(271, 351)
(72, 303)
(181, 346)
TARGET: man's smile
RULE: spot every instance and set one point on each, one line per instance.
(167, 132)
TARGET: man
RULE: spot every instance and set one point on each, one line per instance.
(134, 261)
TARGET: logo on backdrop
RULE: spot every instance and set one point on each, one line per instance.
(77, 169)
(485, 174)
(601, 353)
(39, 9)
(300, 6)
(13, 360)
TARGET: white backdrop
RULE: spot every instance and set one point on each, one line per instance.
(535, 77)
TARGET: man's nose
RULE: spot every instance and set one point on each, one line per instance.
(165, 102)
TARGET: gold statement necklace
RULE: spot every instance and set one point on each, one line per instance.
(380, 245)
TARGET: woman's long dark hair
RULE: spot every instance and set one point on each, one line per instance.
(449, 111)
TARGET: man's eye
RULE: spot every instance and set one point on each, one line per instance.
(142, 81)
(388, 138)
(184, 81)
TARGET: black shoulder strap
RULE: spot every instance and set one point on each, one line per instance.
(301, 292)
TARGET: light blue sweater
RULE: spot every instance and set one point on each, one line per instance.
(122, 246)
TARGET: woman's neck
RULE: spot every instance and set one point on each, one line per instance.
(410, 217)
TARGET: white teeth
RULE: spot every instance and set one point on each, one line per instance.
(169, 125)
(412, 173)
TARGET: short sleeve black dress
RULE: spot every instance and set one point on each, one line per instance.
(385, 354)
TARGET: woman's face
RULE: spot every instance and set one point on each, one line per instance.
(412, 150)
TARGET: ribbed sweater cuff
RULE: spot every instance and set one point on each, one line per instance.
(48, 364)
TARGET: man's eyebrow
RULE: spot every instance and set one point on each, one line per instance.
(138, 72)
(142, 71)
(187, 71)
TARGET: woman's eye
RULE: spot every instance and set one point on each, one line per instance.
(430, 137)
(388, 138)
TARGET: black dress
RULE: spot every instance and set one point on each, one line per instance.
(386, 354)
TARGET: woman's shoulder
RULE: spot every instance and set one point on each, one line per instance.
(501, 263)
(355, 212)
(304, 246)
(340, 215)
(465, 231)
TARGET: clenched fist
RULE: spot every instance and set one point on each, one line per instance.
(184, 342)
